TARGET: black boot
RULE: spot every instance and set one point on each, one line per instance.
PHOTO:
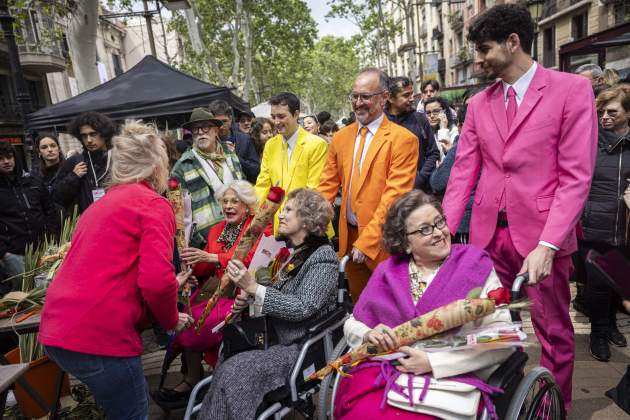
(599, 347)
(615, 337)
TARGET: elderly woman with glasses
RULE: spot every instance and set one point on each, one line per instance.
(423, 273)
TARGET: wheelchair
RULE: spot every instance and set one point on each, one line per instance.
(531, 396)
(317, 349)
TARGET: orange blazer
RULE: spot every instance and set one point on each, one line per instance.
(388, 171)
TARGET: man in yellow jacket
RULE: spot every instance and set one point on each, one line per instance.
(294, 158)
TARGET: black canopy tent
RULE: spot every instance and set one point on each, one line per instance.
(150, 90)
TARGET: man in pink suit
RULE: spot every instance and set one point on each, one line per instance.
(532, 137)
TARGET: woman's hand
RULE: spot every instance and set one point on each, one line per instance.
(416, 362)
(184, 321)
(240, 303)
(185, 276)
(382, 336)
(192, 256)
(443, 119)
(446, 145)
(238, 274)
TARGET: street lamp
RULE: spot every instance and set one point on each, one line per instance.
(535, 8)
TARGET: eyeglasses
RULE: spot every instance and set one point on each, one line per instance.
(435, 112)
(427, 230)
(201, 129)
(354, 97)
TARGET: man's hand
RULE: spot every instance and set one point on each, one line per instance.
(80, 169)
(358, 257)
(538, 263)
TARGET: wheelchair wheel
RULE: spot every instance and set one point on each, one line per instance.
(328, 387)
(537, 398)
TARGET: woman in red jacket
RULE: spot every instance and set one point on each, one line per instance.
(238, 202)
(118, 271)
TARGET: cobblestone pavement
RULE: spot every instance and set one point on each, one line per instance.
(591, 379)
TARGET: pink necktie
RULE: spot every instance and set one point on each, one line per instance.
(511, 106)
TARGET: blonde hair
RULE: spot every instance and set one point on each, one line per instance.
(243, 190)
(139, 155)
(611, 77)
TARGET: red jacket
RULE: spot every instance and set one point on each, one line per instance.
(120, 263)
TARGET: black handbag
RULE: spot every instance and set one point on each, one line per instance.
(247, 334)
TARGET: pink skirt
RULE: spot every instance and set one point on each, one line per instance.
(206, 340)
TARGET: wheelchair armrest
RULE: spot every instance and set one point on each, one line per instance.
(332, 318)
(511, 367)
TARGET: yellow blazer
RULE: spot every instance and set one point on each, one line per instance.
(304, 169)
(388, 171)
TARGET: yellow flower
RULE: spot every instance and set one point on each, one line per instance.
(290, 267)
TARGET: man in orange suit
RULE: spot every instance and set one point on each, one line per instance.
(373, 161)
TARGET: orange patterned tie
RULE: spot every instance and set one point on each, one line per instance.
(356, 170)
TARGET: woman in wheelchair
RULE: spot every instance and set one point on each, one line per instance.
(238, 202)
(303, 292)
(423, 272)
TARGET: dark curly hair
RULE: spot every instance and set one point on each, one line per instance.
(499, 22)
(395, 227)
(6, 149)
(257, 127)
(100, 123)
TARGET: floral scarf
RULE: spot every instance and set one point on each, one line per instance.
(217, 158)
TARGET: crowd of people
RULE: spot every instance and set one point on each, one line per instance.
(528, 175)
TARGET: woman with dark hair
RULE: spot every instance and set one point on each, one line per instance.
(82, 178)
(50, 159)
(262, 130)
(328, 129)
(442, 122)
(423, 273)
(303, 291)
(311, 124)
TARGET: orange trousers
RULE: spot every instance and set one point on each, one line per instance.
(359, 274)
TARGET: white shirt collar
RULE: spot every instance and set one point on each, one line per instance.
(293, 139)
(374, 125)
(521, 85)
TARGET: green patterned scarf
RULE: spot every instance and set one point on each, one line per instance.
(216, 159)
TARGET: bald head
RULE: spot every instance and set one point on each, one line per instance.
(369, 95)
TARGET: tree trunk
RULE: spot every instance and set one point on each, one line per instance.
(247, 33)
(386, 36)
(194, 33)
(82, 42)
(236, 63)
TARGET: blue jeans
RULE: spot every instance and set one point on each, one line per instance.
(117, 383)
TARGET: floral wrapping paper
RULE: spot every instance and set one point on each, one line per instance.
(439, 320)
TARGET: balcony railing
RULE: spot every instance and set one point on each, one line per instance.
(456, 19)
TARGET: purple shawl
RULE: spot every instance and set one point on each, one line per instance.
(387, 296)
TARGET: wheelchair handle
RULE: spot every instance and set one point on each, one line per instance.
(519, 281)
(343, 262)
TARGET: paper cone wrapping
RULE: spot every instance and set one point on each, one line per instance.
(439, 320)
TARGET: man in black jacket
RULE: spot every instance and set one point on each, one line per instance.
(81, 180)
(243, 144)
(26, 212)
(399, 109)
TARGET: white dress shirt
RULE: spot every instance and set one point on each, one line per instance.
(290, 142)
(520, 88)
(372, 128)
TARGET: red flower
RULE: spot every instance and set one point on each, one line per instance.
(500, 296)
(173, 184)
(276, 194)
(283, 254)
(435, 324)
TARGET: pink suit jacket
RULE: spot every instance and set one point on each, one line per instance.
(544, 162)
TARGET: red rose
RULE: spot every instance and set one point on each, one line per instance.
(276, 194)
(435, 324)
(500, 296)
(173, 184)
(283, 254)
